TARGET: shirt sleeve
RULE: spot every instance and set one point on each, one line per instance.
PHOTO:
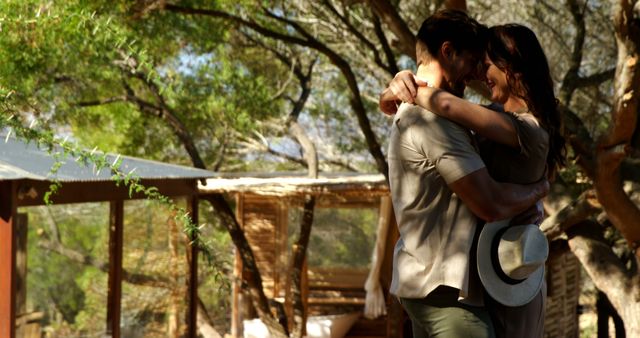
(532, 138)
(448, 146)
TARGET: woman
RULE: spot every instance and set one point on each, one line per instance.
(519, 145)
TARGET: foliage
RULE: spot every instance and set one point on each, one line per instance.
(92, 62)
(141, 78)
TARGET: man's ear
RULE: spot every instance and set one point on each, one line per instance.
(447, 51)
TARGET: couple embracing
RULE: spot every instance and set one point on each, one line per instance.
(466, 180)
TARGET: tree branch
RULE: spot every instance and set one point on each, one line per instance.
(166, 113)
(76, 256)
(579, 138)
(309, 41)
(388, 14)
(356, 32)
(575, 213)
(222, 151)
(391, 59)
(53, 224)
(595, 79)
(101, 102)
(356, 102)
(601, 263)
(460, 5)
(235, 19)
(205, 324)
(542, 19)
(569, 82)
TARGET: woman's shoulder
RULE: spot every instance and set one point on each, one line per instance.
(532, 137)
(527, 122)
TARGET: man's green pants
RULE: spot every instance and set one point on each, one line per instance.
(441, 315)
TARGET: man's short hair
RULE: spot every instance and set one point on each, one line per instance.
(463, 32)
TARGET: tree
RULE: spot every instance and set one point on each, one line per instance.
(213, 84)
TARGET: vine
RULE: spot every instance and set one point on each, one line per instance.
(63, 148)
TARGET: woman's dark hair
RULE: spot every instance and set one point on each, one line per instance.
(516, 51)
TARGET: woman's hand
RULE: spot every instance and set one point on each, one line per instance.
(403, 88)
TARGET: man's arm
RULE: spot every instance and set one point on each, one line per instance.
(491, 200)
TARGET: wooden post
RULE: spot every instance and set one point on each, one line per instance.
(304, 290)
(192, 312)
(7, 259)
(21, 272)
(114, 295)
(237, 300)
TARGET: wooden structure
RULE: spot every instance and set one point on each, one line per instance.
(24, 179)
(262, 205)
(563, 291)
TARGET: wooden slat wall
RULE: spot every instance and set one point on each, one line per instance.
(561, 317)
(262, 223)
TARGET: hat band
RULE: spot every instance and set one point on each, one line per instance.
(495, 260)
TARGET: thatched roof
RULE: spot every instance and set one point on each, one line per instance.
(291, 184)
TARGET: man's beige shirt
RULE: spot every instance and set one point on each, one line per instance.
(427, 152)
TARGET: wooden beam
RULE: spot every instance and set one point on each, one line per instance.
(114, 293)
(31, 192)
(8, 207)
(322, 201)
(192, 286)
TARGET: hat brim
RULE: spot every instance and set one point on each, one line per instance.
(503, 292)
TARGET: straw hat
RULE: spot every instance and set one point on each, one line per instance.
(511, 261)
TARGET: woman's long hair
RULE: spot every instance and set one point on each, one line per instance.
(516, 51)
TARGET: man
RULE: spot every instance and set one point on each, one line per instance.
(438, 182)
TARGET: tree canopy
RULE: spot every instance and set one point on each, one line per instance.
(293, 85)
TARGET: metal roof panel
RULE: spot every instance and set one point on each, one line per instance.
(21, 160)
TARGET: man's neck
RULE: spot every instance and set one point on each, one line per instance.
(432, 74)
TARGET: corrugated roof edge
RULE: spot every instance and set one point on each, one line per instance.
(28, 161)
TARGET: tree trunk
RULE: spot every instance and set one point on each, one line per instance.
(254, 281)
(606, 311)
(205, 325)
(460, 5)
(622, 212)
(299, 254)
(299, 251)
(390, 16)
(607, 273)
(622, 290)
